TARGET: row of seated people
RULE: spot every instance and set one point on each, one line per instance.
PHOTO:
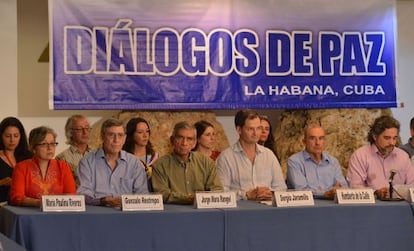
(126, 163)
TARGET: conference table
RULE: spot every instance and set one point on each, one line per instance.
(249, 227)
(9, 245)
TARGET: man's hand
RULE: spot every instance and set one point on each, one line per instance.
(111, 201)
(382, 193)
(331, 193)
(6, 181)
(259, 193)
(190, 198)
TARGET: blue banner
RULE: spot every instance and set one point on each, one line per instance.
(222, 54)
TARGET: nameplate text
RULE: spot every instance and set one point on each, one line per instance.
(292, 198)
(355, 196)
(140, 202)
(215, 200)
(63, 203)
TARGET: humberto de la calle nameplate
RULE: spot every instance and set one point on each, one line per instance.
(355, 196)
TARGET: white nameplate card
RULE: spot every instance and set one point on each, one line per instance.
(215, 200)
(355, 196)
(411, 197)
(63, 203)
(292, 198)
(140, 202)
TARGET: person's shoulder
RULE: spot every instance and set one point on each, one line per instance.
(297, 155)
(59, 163)
(127, 156)
(163, 159)
(200, 156)
(228, 151)
(406, 148)
(363, 149)
(400, 151)
(23, 164)
(63, 153)
(225, 154)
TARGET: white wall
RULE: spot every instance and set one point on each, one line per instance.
(9, 99)
(405, 61)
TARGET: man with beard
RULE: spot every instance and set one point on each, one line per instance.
(372, 165)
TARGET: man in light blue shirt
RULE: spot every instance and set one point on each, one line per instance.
(109, 172)
(313, 169)
(251, 170)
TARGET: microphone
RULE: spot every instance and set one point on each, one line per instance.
(391, 179)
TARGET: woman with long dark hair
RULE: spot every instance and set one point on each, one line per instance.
(206, 139)
(266, 138)
(138, 143)
(13, 148)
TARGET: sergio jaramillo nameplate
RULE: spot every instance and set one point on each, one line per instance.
(215, 200)
(63, 203)
(292, 198)
(140, 202)
(355, 196)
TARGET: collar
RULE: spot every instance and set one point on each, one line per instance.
(307, 156)
(101, 154)
(181, 161)
(74, 149)
(238, 148)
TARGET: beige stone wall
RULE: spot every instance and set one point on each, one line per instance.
(162, 123)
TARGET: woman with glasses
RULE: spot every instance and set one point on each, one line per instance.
(13, 148)
(138, 143)
(42, 174)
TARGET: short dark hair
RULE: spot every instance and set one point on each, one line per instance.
(243, 115)
(380, 125)
(412, 123)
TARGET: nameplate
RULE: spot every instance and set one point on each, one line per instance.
(411, 191)
(215, 200)
(141, 202)
(355, 196)
(63, 203)
(292, 198)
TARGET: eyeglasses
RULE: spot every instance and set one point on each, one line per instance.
(112, 135)
(81, 129)
(47, 145)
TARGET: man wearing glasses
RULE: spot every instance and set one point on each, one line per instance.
(109, 172)
(77, 132)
